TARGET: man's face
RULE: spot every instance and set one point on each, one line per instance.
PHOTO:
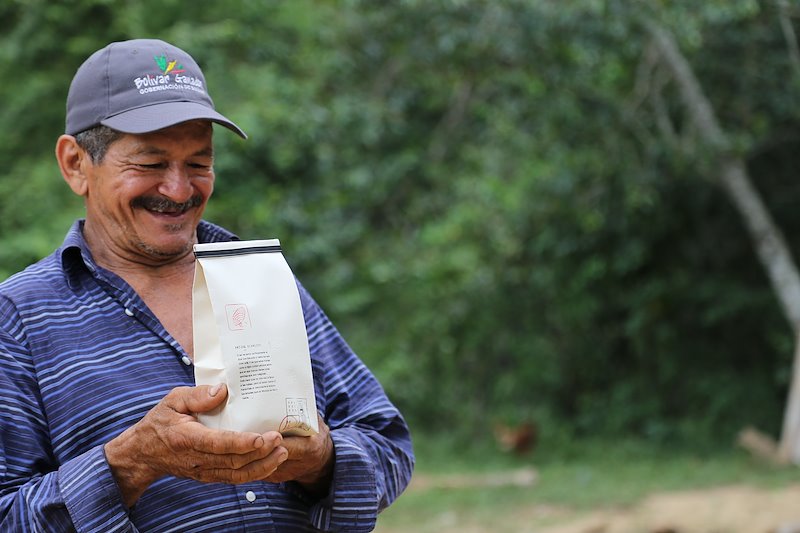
(145, 199)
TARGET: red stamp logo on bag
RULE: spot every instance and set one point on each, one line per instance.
(238, 317)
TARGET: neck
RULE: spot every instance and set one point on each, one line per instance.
(142, 276)
(140, 263)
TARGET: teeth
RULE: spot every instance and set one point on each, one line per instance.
(165, 210)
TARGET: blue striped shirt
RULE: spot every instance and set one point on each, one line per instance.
(82, 358)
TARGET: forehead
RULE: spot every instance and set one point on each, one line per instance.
(189, 137)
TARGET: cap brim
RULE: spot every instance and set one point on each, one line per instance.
(159, 116)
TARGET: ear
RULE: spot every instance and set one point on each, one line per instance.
(73, 162)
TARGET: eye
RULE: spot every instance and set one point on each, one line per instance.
(150, 166)
(199, 166)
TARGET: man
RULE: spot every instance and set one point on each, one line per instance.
(98, 423)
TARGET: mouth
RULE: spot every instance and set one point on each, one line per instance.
(164, 207)
(167, 212)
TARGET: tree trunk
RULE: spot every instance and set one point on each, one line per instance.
(767, 238)
(790, 436)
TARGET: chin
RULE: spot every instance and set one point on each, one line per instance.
(166, 251)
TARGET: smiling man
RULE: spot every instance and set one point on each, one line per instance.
(146, 196)
(99, 429)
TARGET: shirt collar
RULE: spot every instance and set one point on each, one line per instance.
(76, 257)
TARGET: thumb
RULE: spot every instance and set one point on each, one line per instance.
(199, 399)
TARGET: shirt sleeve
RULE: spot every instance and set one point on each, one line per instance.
(37, 493)
(372, 444)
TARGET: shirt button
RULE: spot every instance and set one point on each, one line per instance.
(186, 360)
(250, 495)
(128, 312)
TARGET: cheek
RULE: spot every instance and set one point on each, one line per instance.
(205, 187)
(118, 187)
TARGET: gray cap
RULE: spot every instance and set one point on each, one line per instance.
(139, 86)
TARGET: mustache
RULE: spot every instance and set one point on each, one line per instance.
(159, 203)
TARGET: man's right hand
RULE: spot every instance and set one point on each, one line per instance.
(169, 440)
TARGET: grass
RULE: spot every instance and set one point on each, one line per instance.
(573, 478)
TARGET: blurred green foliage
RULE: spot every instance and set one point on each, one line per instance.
(477, 192)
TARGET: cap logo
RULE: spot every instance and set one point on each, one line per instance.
(170, 77)
(167, 66)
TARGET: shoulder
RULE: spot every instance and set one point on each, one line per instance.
(49, 273)
(31, 299)
(31, 281)
(210, 232)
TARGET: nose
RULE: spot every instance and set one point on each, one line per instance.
(176, 184)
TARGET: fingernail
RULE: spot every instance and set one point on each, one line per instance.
(275, 439)
(214, 390)
(258, 442)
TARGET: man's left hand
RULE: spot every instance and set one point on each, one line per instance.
(310, 461)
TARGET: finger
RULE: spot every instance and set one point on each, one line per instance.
(230, 461)
(222, 442)
(192, 400)
(258, 469)
(301, 445)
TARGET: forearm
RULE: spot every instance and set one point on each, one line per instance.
(34, 506)
(40, 489)
(370, 472)
(373, 453)
(81, 495)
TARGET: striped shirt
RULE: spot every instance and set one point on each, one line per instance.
(82, 358)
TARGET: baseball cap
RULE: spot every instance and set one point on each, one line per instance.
(139, 86)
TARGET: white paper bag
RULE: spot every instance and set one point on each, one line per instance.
(249, 333)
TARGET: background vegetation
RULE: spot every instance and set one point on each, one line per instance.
(477, 192)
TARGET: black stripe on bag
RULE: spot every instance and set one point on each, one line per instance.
(238, 251)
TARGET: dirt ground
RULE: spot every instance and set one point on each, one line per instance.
(733, 509)
(729, 509)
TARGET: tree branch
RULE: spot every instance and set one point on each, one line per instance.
(695, 100)
(790, 36)
(767, 238)
(769, 242)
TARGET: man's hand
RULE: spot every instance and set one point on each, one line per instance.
(170, 441)
(310, 461)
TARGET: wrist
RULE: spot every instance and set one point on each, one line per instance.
(132, 474)
(318, 483)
